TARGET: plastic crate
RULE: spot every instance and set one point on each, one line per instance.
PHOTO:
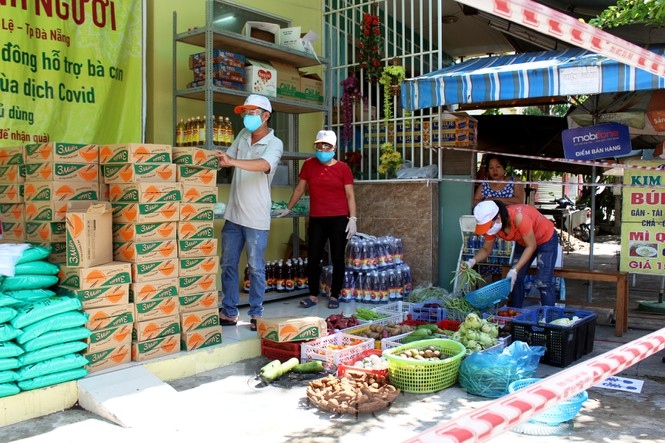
(351, 347)
(563, 344)
(425, 376)
(429, 311)
(498, 315)
(395, 341)
(345, 368)
(281, 351)
(489, 295)
(559, 413)
(398, 307)
(449, 325)
(359, 330)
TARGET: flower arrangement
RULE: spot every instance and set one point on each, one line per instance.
(350, 96)
(370, 46)
(390, 159)
(354, 159)
(391, 79)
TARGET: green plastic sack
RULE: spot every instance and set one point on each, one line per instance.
(8, 332)
(57, 322)
(7, 389)
(38, 267)
(28, 282)
(52, 379)
(9, 363)
(10, 349)
(52, 352)
(55, 337)
(7, 314)
(7, 300)
(33, 254)
(58, 364)
(7, 376)
(30, 295)
(41, 309)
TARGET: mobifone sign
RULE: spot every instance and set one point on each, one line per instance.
(598, 141)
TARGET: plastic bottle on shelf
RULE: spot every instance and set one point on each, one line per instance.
(228, 126)
(279, 276)
(406, 277)
(289, 279)
(384, 287)
(180, 133)
(188, 132)
(202, 131)
(306, 278)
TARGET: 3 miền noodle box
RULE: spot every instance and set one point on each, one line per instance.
(291, 329)
(89, 229)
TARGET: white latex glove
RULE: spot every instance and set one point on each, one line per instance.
(512, 275)
(351, 228)
(282, 213)
(470, 263)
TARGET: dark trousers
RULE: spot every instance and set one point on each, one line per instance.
(320, 230)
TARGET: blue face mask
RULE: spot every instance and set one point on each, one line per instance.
(325, 157)
(252, 122)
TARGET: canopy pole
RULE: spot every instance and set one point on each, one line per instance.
(592, 231)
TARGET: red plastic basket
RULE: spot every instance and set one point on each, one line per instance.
(281, 351)
(344, 368)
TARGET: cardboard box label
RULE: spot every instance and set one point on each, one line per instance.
(144, 232)
(197, 212)
(198, 302)
(45, 211)
(199, 194)
(157, 270)
(11, 155)
(311, 88)
(288, 80)
(13, 231)
(89, 227)
(195, 230)
(155, 328)
(199, 266)
(191, 321)
(11, 193)
(58, 252)
(99, 297)
(145, 212)
(201, 338)
(155, 308)
(12, 212)
(61, 191)
(187, 155)
(261, 78)
(45, 231)
(110, 338)
(146, 350)
(193, 175)
(61, 152)
(53, 171)
(149, 290)
(291, 329)
(12, 174)
(108, 358)
(145, 251)
(139, 173)
(134, 153)
(197, 247)
(109, 316)
(107, 274)
(197, 283)
(144, 192)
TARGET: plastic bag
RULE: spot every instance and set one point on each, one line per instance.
(7, 314)
(55, 337)
(10, 349)
(10, 253)
(34, 253)
(28, 282)
(7, 389)
(7, 376)
(55, 322)
(489, 373)
(9, 363)
(42, 309)
(52, 379)
(8, 332)
(52, 352)
(38, 267)
(51, 366)
(29, 295)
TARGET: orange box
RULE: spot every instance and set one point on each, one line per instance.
(198, 302)
(201, 338)
(145, 251)
(199, 193)
(12, 193)
(134, 153)
(109, 316)
(197, 212)
(197, 283)
(45, 211)
(191, 156)
(155, 308)
(12, 212)
(144, 291)
(111, 357)
(195, 248)
(61, 152)
(187, 230)
(110, 338)
(107, 274)
(139, 173)
(143, 232)
(45, 231)
(191, 321)
(99, 297)
(155, 328)
(60, 191)
(145, 212)
(199, 266)
(13, 231)
(11, 155)
(15, 174)
(54, 171)
(194, 175)
(89, 227)
(145, 192)
(158, 347)
(156, 270)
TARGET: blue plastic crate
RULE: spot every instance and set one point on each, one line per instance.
(489, 295)
(429, 311)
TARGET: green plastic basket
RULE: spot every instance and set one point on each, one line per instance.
(419, 377)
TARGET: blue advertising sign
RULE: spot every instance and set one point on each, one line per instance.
(598, 141)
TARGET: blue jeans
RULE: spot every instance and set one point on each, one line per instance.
(234, 238)
(546, 255)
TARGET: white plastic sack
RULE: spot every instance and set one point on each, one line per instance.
(9, 255)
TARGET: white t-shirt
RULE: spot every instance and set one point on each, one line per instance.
(249, 198)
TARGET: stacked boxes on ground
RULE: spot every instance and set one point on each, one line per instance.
(12, 182)
(146, 207)
(198, 262)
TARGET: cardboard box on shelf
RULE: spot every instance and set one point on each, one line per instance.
(144, 291)
(12, 174)
(200, 338)
(155, 308)
(144, 232)
(285, 329)
(294, 39)
(141, 252)
(198, 302)
(155, 328)
(156, 270)
(193, 175)
(61, 191)
(107, 274)
(145, 212)
(139, 173)
(158, 347)
(202, 319)
(199, 266)
(288, 80)
(45, 211)
(56, 171)
(261, 78)
(261, 30)
(218, 56)
(12, 155)
(61, 152)
(134, 153)
(89, 228)
(187, 230)
(144, 192)
(98, 297)
(311, 88)
(224, 71)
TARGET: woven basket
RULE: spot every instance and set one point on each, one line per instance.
(422, 376)
(558, 413)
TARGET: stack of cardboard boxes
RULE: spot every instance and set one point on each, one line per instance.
(12, 209)
(228, 69)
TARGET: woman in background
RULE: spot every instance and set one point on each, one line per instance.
(507, 193)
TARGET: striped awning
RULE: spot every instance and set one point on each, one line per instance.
(526, 76)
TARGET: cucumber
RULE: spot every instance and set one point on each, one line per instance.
(311, 367)
(273, 364)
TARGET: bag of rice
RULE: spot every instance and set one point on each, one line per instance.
(41, 309)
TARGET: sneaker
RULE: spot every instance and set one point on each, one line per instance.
(225, 320)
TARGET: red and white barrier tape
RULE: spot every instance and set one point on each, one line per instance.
(511, 410)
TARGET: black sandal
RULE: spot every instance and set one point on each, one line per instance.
(252, 324)
(333, 303)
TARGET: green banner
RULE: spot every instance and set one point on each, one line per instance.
(71, 70)
(643, 219)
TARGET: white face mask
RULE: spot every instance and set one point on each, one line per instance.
(496, 227)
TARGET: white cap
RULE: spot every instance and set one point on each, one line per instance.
(484, 212)
(252, 102)
(324, 136)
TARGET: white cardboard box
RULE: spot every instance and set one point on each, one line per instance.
(261, 78)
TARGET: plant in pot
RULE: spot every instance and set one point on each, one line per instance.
(390, 161)
(350, 96)
(391, 79)
(370, 45)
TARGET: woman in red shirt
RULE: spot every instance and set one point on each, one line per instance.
(534, 236)
(332, 214)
